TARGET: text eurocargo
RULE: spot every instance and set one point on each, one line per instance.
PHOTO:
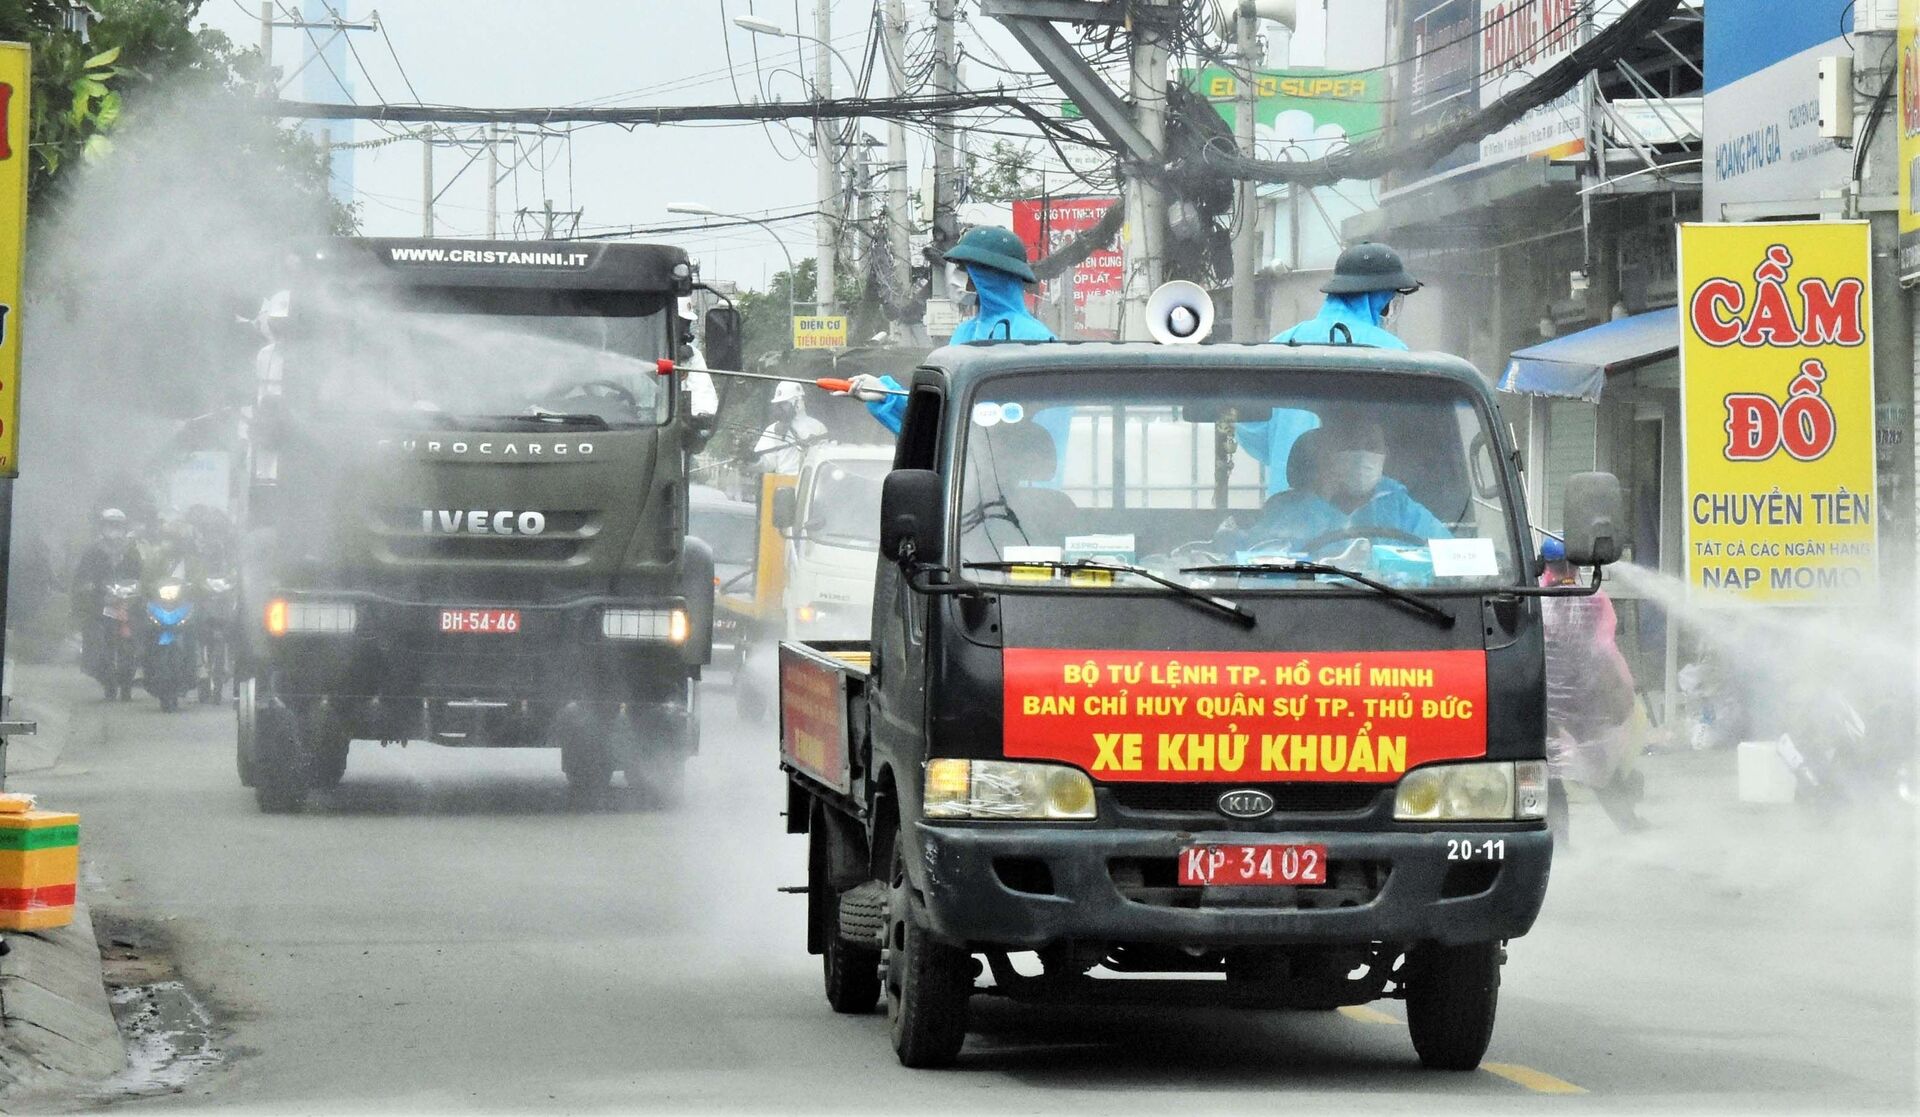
(1359, 717)
(16, 68)
(1776, 364)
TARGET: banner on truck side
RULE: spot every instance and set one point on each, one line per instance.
(813, 718)
(820, 331)
(1351, 717)
(16, 70)
(1776, 385)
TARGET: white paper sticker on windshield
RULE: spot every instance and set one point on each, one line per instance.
(1117, 548)
(1026, 553)
(1463, 558)
(986, 414)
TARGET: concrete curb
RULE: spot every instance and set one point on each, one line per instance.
(56, 1025)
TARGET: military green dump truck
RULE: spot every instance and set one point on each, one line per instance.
(464, 510)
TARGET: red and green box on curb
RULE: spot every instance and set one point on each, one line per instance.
(39, 865)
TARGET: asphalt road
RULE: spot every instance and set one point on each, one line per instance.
(444, 932)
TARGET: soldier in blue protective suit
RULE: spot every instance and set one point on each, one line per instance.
(997, 270)
(1369, 281)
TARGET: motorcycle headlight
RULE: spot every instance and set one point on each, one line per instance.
(170, 592)
(1487, 791)
(1007, 789)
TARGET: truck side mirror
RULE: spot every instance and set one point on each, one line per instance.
(783, 509)
(725, 342)
(910, 520)
(1595, 519)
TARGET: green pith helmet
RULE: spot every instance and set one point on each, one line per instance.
(993, 247)
(1369, 267)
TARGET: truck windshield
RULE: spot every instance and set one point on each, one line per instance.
(1392, 476)
(483, 358)
(843, 507)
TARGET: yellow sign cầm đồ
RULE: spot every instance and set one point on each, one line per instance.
(16, 70)
(1776, 374)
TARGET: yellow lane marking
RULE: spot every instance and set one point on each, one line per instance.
(1366, 1015)
(1540, 1082)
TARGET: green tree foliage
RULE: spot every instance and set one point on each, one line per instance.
(1006, 173)
(88, 94)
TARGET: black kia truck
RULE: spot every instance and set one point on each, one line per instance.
(1197, 675)
(464, 509)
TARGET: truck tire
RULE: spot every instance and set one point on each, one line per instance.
(243, 745)
(851, 970)
(928, 982)
(586, 757)
(283, 764)
(330, 759)
(1452, 994)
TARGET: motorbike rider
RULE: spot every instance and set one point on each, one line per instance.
(1590, 700)
(1368, 286)
(113, 556)
(996, 267)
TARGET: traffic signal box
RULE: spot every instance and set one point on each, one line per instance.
(39, 865)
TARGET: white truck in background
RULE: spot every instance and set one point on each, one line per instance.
(831, 521)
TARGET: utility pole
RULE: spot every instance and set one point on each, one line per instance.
(426, 180)
(1247, 320)
(826, 163)
(266, 48)
(946, 224)
(493, 182)
(1146, 238)
(549, 233)
(893, 32)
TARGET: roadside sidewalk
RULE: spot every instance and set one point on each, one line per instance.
(57, 1030)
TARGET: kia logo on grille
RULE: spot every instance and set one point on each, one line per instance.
(1246, 803)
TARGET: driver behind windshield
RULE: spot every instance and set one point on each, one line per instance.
(1015, 506)
(1339, 491)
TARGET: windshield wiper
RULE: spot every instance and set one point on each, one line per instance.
(1229, 608)
(1433, 612)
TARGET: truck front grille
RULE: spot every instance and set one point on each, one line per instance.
(1288, 798)
(480, 548)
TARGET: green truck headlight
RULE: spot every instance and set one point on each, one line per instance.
(1007, 789)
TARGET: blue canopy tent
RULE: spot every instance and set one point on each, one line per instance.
(1577, 366)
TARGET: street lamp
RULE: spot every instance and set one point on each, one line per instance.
(771, 29)
(826, 157)
(695, 209)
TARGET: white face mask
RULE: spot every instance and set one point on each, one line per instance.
(1358, 471)
(1392, 310)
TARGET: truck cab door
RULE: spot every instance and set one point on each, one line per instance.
(897, 690)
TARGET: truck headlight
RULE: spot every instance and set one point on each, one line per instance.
(1487, 791)
(670, 625)
(1006, 789)
(331, 618)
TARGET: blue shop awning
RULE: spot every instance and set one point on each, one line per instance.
(1577, 366)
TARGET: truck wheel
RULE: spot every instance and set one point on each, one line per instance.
(283, 765)
(243, 746)
(749, 702)
(928, 982)
(851, 971)
(586, 759)
(330, 760)
(1452, 992)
